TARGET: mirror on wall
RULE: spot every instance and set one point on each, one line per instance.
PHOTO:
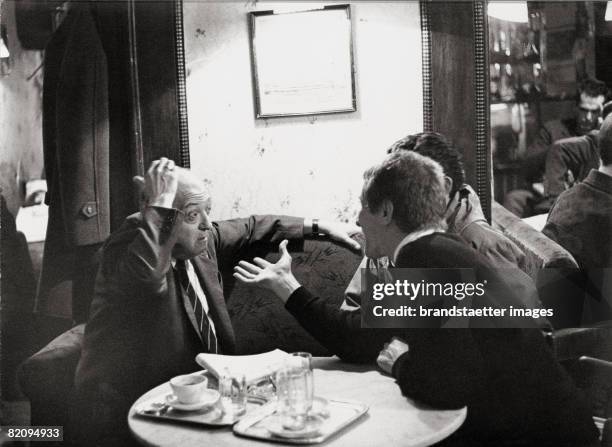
(544, 60)
(298, 165)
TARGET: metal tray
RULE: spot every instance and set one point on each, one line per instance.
(341, 415)
(213, 416)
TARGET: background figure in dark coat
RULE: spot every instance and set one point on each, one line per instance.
(514, 389)
(581, 222)
(569, 161)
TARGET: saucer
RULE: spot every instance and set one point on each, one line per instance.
(209, 397)
(311, 428)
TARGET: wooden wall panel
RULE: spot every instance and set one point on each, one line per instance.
(454, 95)
(157, 79)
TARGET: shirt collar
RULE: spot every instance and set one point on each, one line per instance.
(411, 237)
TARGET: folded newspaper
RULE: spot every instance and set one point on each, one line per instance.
(254, 367)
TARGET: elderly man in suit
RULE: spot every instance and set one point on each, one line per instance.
(496, 372)
(158, 297)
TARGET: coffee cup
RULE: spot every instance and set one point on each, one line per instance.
(189, 388)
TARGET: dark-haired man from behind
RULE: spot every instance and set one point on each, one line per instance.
(465, 218)
(464, 215)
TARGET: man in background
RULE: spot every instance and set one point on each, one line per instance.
(588, 112)
(581, 222)
(570, 160)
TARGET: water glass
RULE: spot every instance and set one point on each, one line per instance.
(304, 359)
(294, 387)
(233, 394)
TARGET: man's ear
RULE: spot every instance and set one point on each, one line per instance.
(387, 211)
(448, 184)
(139, 184)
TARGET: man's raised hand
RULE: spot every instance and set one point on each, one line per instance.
(160, 183)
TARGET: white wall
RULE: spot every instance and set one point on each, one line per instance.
(309, 165)
(21, 154)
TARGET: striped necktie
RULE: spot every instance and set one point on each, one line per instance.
(208, 335)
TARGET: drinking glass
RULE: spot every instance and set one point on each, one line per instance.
(304, 359)
(294, 386)
(233, 392)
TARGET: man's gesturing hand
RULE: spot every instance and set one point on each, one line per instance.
(275, 277)
(161, 183)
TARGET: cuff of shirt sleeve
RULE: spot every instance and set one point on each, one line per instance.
(397, 366)
(163, 218)
(299, 299)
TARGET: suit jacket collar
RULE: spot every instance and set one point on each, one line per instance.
(411, 237)
(599, 180)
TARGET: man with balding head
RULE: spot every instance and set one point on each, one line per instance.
(158, 297)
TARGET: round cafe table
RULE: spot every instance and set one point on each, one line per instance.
(391, 420)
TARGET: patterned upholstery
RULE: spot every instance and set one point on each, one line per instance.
(260, 320)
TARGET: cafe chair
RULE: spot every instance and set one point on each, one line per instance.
(546, 259)
(321, 265)
(594, 377)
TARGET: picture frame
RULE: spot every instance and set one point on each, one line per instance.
(302, 62)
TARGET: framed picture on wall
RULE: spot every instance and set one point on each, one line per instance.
(302, 62)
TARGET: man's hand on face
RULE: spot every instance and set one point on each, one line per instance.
(390, 353)
(341, 232)
(275, 277)
(161, 183)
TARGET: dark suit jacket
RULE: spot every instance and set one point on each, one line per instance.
(535, 160)
(142, 330)
(513, 387)
(576, 154)
(580, 221)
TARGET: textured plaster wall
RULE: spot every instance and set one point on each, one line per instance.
(21, 154)
(309, 165)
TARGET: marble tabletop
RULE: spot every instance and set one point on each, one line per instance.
(392, 419)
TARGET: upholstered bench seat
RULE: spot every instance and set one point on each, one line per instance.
(260, 321)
